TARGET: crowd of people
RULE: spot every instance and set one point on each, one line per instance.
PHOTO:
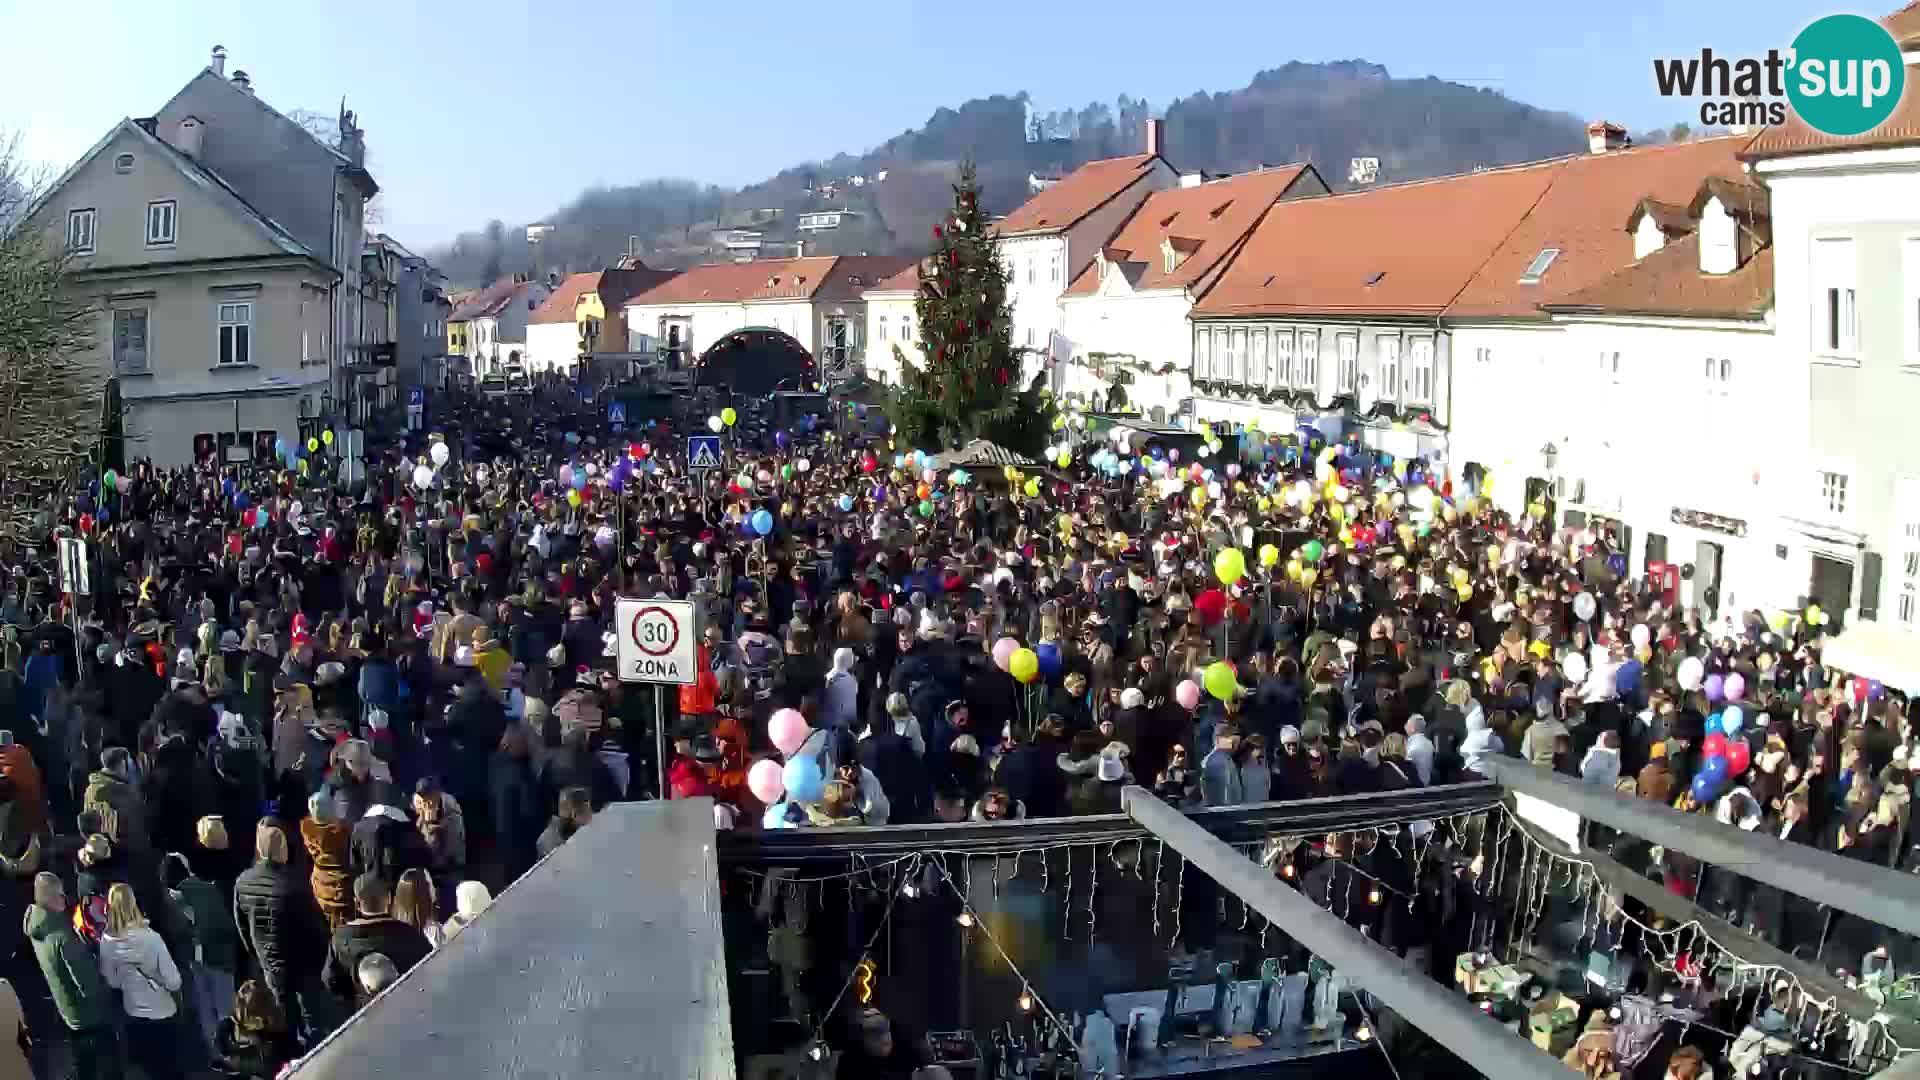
(298, 735)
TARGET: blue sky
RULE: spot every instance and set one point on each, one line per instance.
(502, 108)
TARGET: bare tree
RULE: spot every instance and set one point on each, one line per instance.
(326, 130)
(49, 393)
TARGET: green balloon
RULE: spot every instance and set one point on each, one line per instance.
(926, 508)
(1312, 551)
(786, 472)
(1220, 680)
(112, 478)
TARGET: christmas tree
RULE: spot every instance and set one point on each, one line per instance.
(963, 383)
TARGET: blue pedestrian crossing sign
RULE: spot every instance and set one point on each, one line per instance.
(703, 452)
(616, 412)
(416, 397)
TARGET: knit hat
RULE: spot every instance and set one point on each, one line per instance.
(1132, 698)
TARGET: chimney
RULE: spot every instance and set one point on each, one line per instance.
(185, 136)
(1153, 138)
(219, 64)
(1192, 179)
(241, 80)
(1603, 136)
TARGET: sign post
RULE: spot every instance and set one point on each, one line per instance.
(655, 641)
(703, 452)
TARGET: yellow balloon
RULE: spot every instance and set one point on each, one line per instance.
(303, 466)
(1263, 503)
(327, 436)
(1199, 494)
(1269, 554)
(1065, 459)
(1293, 571)
(728, 416)
(1230, 566)
(573, 498)
(1012, 474)
(312, 445)
(1120, 540)
(1033, 488)
(1537, 510)
(1337, 511)
(1024, 665)
(1399, 562)
(1493, 553)
(1253, 426)
(1308, 575)
(1466, 592)
(1406, 535)
(1460, 575)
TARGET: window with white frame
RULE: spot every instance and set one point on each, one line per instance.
(1029, 337)
(1029, 276)
(1609, 367)
(1906, 605)
(1388, 348)
(881, 330)
(130, 340)
(1836, 330)
(160, 222)
(1282, 369)
(906, 328)
(1910, 310)
(1483, 355)
(1346, 371)
(1055, 268)
(1833, 493)
(236, 334)
(1420, 373)
(1719, 375)
(1257, 372)
(1203, 354)
(80, 232)
(1229, 366)
(1307, 360)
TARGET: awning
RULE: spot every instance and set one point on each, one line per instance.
(981, 454)
(1876, 651)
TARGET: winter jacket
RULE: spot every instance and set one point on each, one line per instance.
(205, 906)
(332, 879)
(902, 773)
(558, 832)
(1601, 767)
(1536, 746)
(385, 842)
(109, 791)
(73, 977)
(278, 921)
(138, 965)
(447, 841)
(362, 938)
(176, 790)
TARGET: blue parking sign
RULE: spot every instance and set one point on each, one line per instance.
(616, 412)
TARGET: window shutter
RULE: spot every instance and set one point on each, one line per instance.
(1870, 585)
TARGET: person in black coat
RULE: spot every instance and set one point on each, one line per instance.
(386, 843)
(1031, 773)
(374, 931)
(575, 764)
(513, 789)
(901, 772)
(177, 789)
(133, 690)
(279, 924)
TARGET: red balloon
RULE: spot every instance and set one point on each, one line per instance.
(635, 452)
(1211, 606)
(86, 523)
(1739, 756)
(1715, 745)
(868, 464)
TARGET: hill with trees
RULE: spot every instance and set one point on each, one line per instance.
(1323, 113)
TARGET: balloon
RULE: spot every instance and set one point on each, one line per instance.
(762, 522)
(767, 781)
(1221, 681)
(1003, 651)
(1024, 665)
(787, 729)
(1715, 767)
(566, 475)
(926, 508)
(1187, 694)
(846, 503)
(1815, 616)
(715, 424)
(1211, 606)
(1690, 672)
(1739, 756)
(1050, 660)
(1308, 575)
(1312, 551)
(422, 477)
(1584, 607)
(313, 445)
(439, 453)
(1704, 789)
(1230, 566)
(327, 436)
(1269, 555)
(803, 780)
(1716, 686)
(728, 416)
(111, 479)
(1574, 665)
(1641, 635)
(868, 464)
(1715, 745)
(1733, 720)
(1032, 488)
(1735, 687)
(573, 498)
(803, 464)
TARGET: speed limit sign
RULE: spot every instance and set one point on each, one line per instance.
(656, 641)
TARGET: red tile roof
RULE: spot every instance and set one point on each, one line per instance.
(907, 279)
(558, 307)
(1580, 215)
(490, 301)
(1203, 223)
(1076, 195)
(824, 277)
(1900, 129)
(1669, 282)
(1406, 249)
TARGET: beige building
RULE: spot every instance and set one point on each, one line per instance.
(213, 316)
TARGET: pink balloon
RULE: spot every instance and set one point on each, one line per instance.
(788, 729)
(766, 781)
(1003, 651)
(1735, 687)
(1187, 694)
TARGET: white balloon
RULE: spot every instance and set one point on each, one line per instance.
(1641, 635)
(715, 424)
(439, 453)
(592, 469)
(803, 465)
(1584, 607)
(422, 477)
(1691, 672)
(1575, 666)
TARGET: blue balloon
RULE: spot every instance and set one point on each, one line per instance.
(803, 779)
(280, 447)
(1715, 769)
(846, 503)
(899, 461)
(1732, 720)
(241, 501)
(580, 480)
(1706, 788)
(1050, 660)
(762, 522)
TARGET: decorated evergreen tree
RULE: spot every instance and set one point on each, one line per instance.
(963, 382)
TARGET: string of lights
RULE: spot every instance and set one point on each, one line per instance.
(1028, 999)
(862, 974)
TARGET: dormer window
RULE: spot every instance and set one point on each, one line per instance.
(1376, 279)
(123, 163)
(773, 282)
(1538, 267)
(1215, 213)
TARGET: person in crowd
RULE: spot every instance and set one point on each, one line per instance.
(215, 953)
(329, 849)
(134, 961)
(254, 1040)
(279, 924)
(374, 929)
(81, 995)
(575, 812)
(415, 903)
(470, 899)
